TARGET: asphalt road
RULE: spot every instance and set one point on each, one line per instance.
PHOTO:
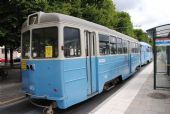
(88, 106)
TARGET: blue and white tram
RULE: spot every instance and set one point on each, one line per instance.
(146, 53)
(68, 60)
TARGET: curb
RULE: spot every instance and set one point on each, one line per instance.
(11, 100)
(4, 86)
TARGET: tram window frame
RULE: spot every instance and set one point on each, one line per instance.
(137, 48)
(125, 46)
(103, 40)
(77, 50)
(133, 47)
(53, 47)
(119, 46)
(148, 49)
(24, 54)
(112, 44)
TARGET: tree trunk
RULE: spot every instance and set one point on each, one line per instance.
(6, 55)
(11, 56)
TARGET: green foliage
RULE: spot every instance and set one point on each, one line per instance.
(124, 24)
(101, 12)
(142, 36)
(14, 13)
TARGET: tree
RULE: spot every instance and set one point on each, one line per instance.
(13, 14)
(124, 24)
(99, 11)
(142, 36)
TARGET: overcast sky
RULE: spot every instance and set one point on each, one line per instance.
(146, 13)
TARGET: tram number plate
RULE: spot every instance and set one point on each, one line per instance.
(24, 64)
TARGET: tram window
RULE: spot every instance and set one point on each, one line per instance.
(45, 42)
(72, 47)
(119, 46)
(148, 49)
(137, 48)
(104, 44)
(133, 47)
(125, 46)
(113, 46)
(26, 45)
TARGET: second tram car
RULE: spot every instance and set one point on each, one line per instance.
(68, 60)
(146, 53)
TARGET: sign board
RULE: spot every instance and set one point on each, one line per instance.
(48, 51)
(23, 64)
(162, 41)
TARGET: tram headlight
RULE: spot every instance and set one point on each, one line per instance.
(32, 67)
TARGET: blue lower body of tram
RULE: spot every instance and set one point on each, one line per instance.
(146, 57)
(71, 81)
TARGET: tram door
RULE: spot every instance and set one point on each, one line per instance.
(90, 47)
(129, 57)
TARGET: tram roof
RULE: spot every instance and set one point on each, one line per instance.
(144, 43)
(57, 17)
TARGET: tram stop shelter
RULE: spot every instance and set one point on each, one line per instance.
(161, 53)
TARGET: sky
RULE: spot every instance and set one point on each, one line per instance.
(146, 14)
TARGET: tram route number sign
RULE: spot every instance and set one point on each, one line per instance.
(48, 51)
(162, 41)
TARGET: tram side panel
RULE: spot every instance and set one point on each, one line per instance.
(135, 57)
(44, 81)
(142, 55)
(109, 67)
(75, 80)
(146, 53)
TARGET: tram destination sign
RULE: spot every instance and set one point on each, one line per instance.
(162, 41)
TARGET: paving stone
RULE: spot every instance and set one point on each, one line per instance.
(151, 112)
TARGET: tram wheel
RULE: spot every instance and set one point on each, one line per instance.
(48, 111)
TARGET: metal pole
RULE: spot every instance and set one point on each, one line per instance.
(155, 58)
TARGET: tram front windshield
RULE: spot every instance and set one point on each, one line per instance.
(45, 42)
(25, 45)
